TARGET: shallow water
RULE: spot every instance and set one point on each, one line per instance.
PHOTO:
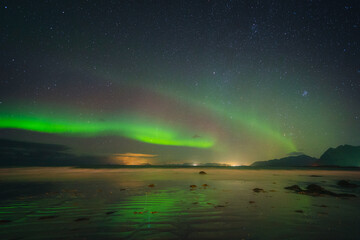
(70, 203)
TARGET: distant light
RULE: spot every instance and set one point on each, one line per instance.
(194, 164)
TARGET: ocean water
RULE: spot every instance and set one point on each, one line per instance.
(74, 203)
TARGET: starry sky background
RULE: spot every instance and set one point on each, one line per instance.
(181, 81)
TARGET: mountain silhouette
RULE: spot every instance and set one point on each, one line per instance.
(292, 161)
(343, 155)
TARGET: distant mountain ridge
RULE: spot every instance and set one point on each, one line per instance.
(292, 161)
(20, 153)
(341, 156)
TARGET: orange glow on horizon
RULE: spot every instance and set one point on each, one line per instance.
(134, 158)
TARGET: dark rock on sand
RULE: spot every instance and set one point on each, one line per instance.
(193, 186)
(111, 212)
(299, 211)
(316, 190)
(322, 205)
(82, 219)
(202, 172)
(322, 213)
(344, 183)
(257, 190)
(4, 221)
(47, 217)
(151, 185)
(295, 188)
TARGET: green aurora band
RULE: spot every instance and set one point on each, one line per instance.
(236, 118)
(130, 127)
(250, 122)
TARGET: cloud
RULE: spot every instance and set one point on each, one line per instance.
(295, 153)
(135, 155)
(133, 158)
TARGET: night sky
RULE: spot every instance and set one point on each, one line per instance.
(181, 81)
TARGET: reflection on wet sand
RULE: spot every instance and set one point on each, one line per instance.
(66, 203)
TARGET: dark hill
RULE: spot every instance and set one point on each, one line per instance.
(344, 156)
(292, 161)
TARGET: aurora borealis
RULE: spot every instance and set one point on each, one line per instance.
(123, 126)
(188, 82)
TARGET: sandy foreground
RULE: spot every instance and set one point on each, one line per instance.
(70, 203)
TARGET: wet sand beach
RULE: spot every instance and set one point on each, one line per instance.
(74, 203)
